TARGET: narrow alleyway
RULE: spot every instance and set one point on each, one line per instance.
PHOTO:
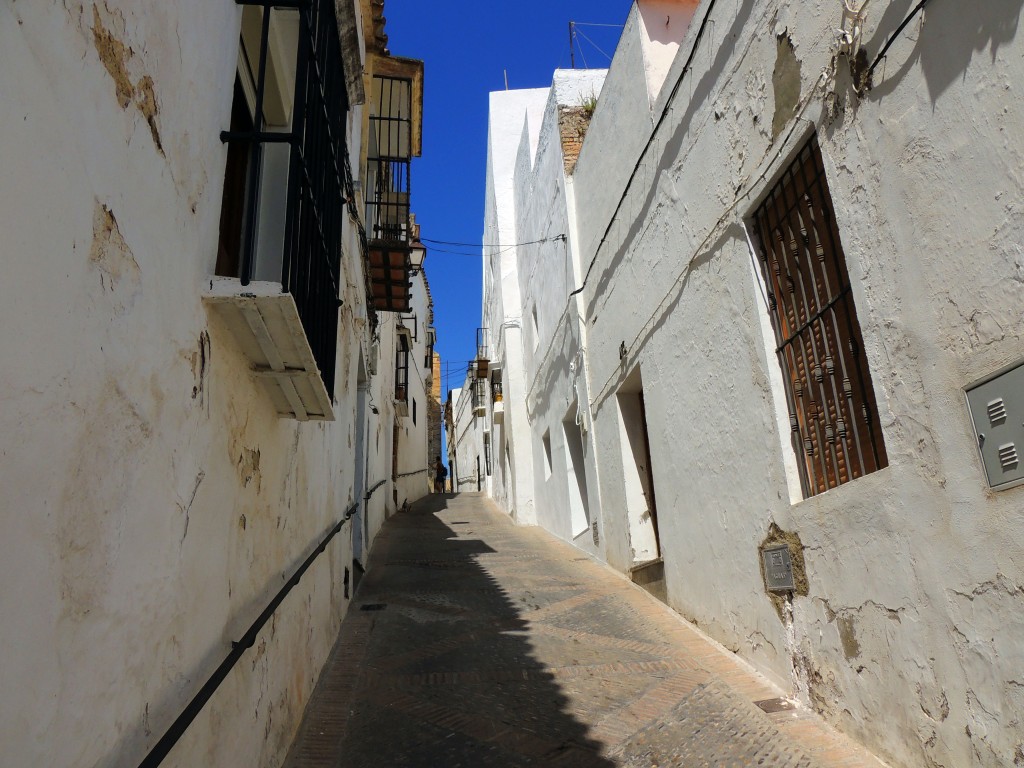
(473, 642)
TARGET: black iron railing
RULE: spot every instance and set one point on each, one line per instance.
(316, 200)
(173, 734)
(389, 182)
(373, 489)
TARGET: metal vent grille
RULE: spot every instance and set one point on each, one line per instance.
(1008, 456)
(833, 415)
(997, 412)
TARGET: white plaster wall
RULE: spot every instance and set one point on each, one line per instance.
(466, 444)
(920, 562)
(603, 168)
(511, 113)
(414, 469)
(380, 484)
(152, 498)
(663, 25)
(549, 273)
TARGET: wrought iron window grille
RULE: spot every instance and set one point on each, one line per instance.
(480, 393)
(317, 176)
(832, 411)
(428, 359)
(402, 369)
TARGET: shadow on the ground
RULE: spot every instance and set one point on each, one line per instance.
(450, 677)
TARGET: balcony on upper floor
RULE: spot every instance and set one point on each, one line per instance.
(278, 264)
(393, 138)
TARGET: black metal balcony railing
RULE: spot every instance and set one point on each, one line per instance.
(316, 201)
(483, 344)
(389, 157)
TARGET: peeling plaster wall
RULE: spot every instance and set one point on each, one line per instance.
(909, 635)
(152, 497)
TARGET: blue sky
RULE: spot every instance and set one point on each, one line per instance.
(466, 48)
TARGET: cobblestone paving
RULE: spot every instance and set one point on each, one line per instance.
(472, 642)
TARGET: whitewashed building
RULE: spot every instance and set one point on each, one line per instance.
(414, 383)
(204, 265)
(766, 341)
(467, 462)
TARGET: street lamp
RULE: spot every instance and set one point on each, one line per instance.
(417, 254)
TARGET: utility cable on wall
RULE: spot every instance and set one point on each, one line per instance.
(629, 183)
(747, 187)
(650, 140)
(892, 38)
(742, 192)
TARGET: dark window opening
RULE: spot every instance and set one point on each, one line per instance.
(236, 174)
(402, 369)
(394, 457)
(832, 410)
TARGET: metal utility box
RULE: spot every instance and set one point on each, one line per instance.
(997, 411)
(778, 568)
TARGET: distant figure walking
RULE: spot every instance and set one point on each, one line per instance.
(440, 474)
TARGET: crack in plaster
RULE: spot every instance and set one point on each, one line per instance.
(200, 361)
(187, 508)
(998, 584)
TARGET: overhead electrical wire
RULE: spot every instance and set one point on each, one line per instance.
(669, 103)
(746, 192)
(574, 42)
(593, 44)
(492, 245)
(582, 54)
(464, 253)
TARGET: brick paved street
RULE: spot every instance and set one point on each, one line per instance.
(472, 642)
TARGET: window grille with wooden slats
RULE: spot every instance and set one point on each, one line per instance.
(832, 410)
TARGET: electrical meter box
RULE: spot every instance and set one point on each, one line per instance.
(778, 568)
(997, 411)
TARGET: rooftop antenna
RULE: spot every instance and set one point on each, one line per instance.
(572, 53)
